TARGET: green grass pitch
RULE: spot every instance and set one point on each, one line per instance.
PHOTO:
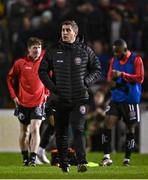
(11, 168)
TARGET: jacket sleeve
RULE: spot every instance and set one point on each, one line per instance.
(110, 70)
(13, 73)
(94, 68)
(44, 69)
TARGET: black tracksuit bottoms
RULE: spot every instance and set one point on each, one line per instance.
(74, 114)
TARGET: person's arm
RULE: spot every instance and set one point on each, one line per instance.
(109, 74)
(138, 75)
(94, 69)
(110, 77)
(11, 77)
(44, 69)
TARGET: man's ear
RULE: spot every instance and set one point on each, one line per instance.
(76, 33)
(125, 51)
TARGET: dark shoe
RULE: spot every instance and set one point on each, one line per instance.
(72, 160)
(106, 162)
(82, 168)
(25, 162)
(64, 168)
(126, 163)
(32, 163)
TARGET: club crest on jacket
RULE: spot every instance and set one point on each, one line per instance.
(82, 109)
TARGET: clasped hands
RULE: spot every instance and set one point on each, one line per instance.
(114, 75)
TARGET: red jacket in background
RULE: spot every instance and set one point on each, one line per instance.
(31, 91)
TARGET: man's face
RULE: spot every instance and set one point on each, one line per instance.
(35, 51)
(68, 34)
(99, 98)
(119, 52)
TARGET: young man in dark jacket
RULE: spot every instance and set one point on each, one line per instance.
(75, 67)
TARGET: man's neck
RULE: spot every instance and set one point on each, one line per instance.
(125, 58)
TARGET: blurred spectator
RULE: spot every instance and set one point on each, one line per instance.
(96, 114)
(17, 9)
(101, 51)
(20, 37)
(60, 12)
(104, 7)
(45, 30)
(2, 9)
(4, 65)
(90, 20)
(145, 30)
(119, 27)
(40, 6)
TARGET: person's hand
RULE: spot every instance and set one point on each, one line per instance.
(16, 111)
(51, 120)
(115, 74)
(16, 101)
(112, 84)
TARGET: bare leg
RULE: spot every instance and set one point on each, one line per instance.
(24, 142)
(35, 134)
(24, 137)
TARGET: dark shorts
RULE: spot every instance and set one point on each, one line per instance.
(129, 112)
(25, 115)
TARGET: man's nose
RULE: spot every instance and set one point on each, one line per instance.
(64, 32)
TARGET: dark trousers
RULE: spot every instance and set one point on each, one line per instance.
(73, 114)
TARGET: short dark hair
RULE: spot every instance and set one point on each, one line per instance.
(120, 43)
(33, 41)
(73, 24)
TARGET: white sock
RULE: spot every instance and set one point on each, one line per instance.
(127, 159)
(107, 156)
(40, 150)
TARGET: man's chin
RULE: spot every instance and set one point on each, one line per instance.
(65, 41)
(36, 57)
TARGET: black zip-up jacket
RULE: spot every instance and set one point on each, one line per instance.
(75, 67)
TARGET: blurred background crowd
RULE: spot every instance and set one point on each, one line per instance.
(100, 21)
